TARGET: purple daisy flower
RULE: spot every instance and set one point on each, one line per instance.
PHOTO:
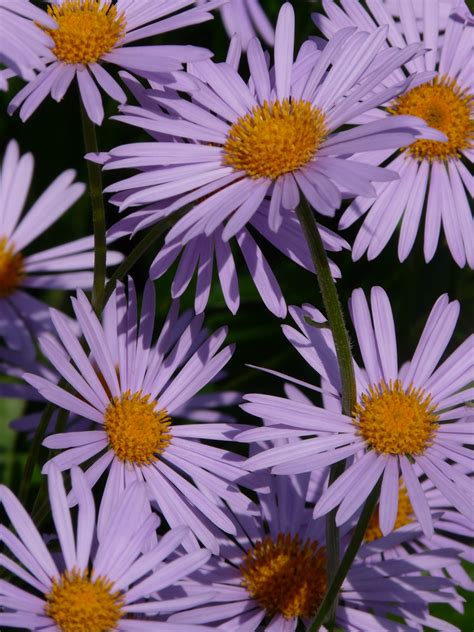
(246, 18)
(197, 256)
(273, 137)
(102, 583)
(452, 530)
(23, 46)
(88, 33)
(134, 390)
(405, 418)
(273, 575)
(62, 267)
(433, 175)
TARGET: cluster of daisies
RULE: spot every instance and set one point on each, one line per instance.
(167, 510)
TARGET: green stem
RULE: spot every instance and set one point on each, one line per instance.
(98, 212)
(332, 306)
(335, 319)
(346, 563)
(34, 452)
(139, 250)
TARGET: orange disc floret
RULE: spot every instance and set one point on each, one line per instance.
(286, 576)
(137, 430)
(275, 138)
(394, 420)
(87, 30)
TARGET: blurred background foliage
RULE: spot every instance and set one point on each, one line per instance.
(54, 136)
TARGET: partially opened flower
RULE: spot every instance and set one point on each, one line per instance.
(89, 33)
(274, 137)
(452, 530)
(273, 575)
(24, 47)
(433, 175)
(134, 389)
(67, 266)
(405, 418)
(247, 18)
(90, 586)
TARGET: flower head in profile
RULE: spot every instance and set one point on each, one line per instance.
(87, 34)
(67, 266)
(89, 587)
(138, 392)
(433, 175)
(274, 137)
(273, 575)
(407, 420)
(23, 46)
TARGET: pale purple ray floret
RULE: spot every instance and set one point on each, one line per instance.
(435, 183)
(115, 572)
(205, 169)
(409, 420)
(64, 267)
(134, 388)
(106, 32)
(247, 18)
(272, 576)
(24, 48)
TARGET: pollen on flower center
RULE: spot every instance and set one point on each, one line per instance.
(275, 138)
(393, 420)
(444, 106)
(404, 516)
(286, 576)
(136, 431)
(12, 270)
(78, 603)
(87, 30)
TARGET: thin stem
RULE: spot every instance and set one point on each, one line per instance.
(346, 563)
(332, 306)
(335, 319)
(34, 452)
(98, 212)
(139, 250)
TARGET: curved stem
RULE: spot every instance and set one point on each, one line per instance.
(335, 319)
(98, 212)
(34, 452)
(346, 563)
(139, 250)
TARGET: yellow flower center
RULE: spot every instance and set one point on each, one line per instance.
(136, 431)
(78, 603)
(87, 29)
(286, 576)
(404, 516)
(393, 420)
(12, 270)
(444, 106)
(275, 138)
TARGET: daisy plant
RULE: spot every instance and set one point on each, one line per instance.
(407, 421)
(86, 34)
(90, 585)
(67, 266)
(273, 575)
(275, 136)
(131, 388)
(434, 176)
